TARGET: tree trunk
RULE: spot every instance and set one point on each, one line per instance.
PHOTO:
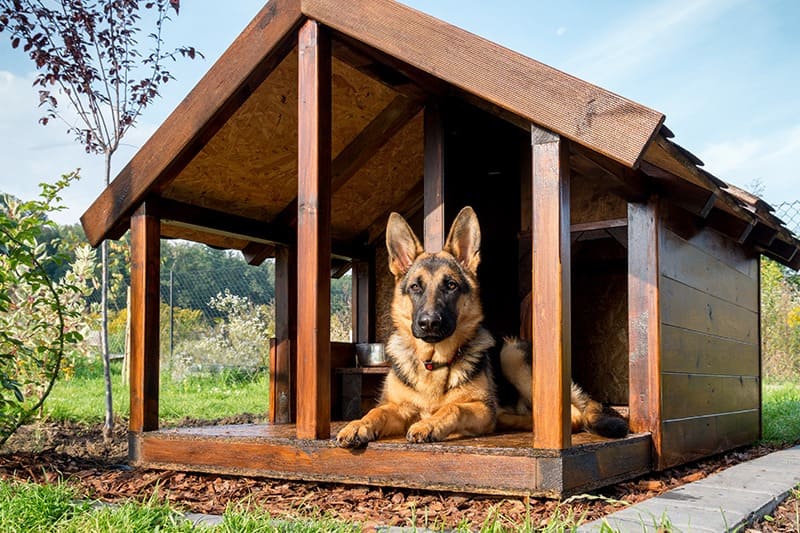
(108, 426)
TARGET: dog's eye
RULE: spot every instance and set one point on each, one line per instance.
(415, 288)
(451, 285)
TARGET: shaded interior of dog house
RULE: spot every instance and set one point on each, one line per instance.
(643, 284)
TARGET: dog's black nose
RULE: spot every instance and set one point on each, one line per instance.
(429, 322)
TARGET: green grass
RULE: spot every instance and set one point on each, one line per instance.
(81, 398)
(781, 413)
(32, 507)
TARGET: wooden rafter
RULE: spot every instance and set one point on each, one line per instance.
(265, 42)
(350, 160)
(577, 110)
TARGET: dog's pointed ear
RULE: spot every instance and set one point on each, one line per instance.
(402, 244)
(464, 240)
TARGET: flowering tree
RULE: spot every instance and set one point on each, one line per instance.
(88, 53)
(40, 319)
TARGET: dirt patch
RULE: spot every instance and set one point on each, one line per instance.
(47, 452)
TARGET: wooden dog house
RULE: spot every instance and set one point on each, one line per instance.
(321, 119)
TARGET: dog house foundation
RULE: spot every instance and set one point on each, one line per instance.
(319, 121)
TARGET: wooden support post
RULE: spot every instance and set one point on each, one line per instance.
(644, 320)
(363, 301)
(434, 231)
(551, 291)
(313, 233)
(145, 312)
(283, 369)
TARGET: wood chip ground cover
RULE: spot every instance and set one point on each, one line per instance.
(47, 452)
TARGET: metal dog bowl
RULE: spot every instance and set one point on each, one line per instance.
(370, 354)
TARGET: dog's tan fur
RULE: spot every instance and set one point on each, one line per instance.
(444, 386)
(586, 413)
(457, 396)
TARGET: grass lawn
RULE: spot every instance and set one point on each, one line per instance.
(82, 398)
(33, 507)
(781, 413)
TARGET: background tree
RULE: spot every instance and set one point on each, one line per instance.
(88, 52)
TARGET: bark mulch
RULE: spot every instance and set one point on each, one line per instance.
(49, 452)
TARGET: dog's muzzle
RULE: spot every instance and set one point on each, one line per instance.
(431, 327)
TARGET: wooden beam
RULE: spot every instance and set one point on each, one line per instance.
(433, 197)
(630, 183)
(283, 373)
(354, 156)
(408, 206)
(587, 114)
(391, 72)
(145, 312)
(220, 223)
(551, 327)
(256, 253)
(262, 45)
(686, 195)
(313, 233)
(644, 319)
(363, 301)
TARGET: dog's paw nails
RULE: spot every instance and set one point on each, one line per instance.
(354, 435)
(422, 432)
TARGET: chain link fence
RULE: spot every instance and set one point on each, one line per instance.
(789, 212)
(216, 320)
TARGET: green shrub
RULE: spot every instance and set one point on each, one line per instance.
(42, 320)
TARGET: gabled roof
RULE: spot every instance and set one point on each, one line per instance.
(210, 162)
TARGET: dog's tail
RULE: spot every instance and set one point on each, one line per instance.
(587, 414)
(592, 416)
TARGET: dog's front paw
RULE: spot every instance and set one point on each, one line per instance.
(423, 431)
(355, 434)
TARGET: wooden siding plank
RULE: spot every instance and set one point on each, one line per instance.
(145, 312)
(688, 395)
(644, 322)
(727, 251)
(243, 66)
(692, 309)
(688, 351)
(313, 233)
(693, 438)
(591, 116)
(550, 279)
(693, 266)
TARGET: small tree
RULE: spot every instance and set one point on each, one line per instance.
(40, 318)
(88, 51)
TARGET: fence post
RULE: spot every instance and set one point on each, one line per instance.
(171, 318)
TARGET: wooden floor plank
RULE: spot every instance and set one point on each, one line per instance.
(503, 464)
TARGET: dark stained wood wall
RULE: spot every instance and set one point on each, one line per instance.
(710, 358)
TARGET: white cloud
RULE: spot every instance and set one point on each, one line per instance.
(642, 38)
(772, 159)
(32, 153)
(561, 30)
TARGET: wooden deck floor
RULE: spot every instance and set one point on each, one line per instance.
(504, 464)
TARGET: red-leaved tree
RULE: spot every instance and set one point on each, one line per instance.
(95, 62)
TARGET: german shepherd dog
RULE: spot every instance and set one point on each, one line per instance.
(440, 382)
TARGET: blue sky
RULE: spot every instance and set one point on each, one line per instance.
(726, 73)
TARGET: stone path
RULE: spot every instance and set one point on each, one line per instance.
(722, 502)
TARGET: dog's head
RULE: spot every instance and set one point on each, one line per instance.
(436, 294)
